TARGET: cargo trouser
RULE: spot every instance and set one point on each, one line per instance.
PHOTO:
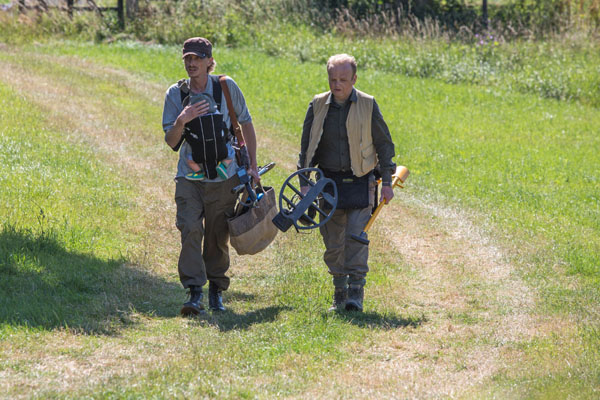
(201, 218)
(345, 256)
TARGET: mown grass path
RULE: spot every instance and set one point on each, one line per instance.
(447, 313)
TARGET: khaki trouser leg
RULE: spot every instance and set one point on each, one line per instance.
(190, 211)
(344, 255)
(202, 222)
(219, 202)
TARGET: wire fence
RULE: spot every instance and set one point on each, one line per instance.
(70, 6)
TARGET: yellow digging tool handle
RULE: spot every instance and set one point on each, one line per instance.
(372, 219)
(399, 177)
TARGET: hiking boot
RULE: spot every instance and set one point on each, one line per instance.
(194, 305)
(339, 299)
(356, 294)
(215, 298)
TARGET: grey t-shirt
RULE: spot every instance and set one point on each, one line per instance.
(173, 108)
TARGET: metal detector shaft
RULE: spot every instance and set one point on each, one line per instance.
(261, 171)
(397, 179)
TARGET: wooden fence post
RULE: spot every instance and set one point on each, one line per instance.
(121, 13)
(484, 13)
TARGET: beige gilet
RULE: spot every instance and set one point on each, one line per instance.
(363, 157)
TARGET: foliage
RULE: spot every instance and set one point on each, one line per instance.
(564, 67)
(237, 22)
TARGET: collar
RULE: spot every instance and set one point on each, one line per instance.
(184, 85)
(353, 97)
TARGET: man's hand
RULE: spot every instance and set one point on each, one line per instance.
(387, 194)
(173, 136)
(192, 111)
(253, 172)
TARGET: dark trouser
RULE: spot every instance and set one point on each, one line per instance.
(345, 256)
(202, 221)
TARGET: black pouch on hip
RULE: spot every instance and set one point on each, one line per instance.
(353, 192)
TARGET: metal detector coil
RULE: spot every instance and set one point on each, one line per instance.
(301, 210)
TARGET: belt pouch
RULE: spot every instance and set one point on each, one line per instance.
(353, 192)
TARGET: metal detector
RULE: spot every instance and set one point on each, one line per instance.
(246, 183)
(301, 210)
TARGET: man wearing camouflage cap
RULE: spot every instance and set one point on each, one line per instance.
(203, 205)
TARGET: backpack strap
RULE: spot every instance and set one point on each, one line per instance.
(217, 91)
(235, 125)
(184, 96)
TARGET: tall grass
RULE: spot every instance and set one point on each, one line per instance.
(563, 67)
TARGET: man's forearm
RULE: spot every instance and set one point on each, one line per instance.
(382, 139)
(173, 135)
(250, 138)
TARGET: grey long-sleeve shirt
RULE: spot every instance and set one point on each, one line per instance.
(333, 152)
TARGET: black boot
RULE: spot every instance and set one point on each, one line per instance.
(194, 305)
(340, 295)
(356, 294)
(215, 297)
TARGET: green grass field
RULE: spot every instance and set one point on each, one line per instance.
(484, 270)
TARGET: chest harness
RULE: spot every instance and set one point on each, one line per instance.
(207, 134)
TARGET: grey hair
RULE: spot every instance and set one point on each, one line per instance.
(343, 58)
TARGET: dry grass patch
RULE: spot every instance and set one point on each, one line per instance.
(481, 316)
